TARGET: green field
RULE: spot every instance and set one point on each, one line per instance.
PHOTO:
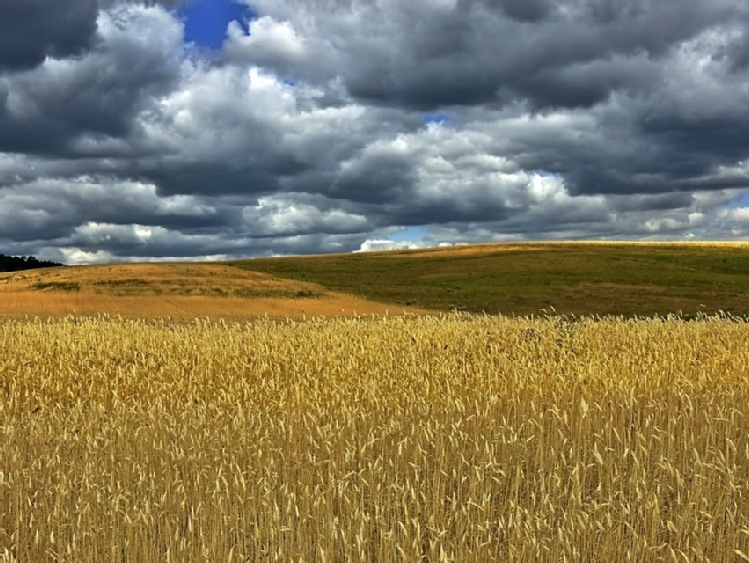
(571, 278)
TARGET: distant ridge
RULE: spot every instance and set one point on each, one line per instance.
(536, 278)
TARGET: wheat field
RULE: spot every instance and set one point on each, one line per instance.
(456, 438)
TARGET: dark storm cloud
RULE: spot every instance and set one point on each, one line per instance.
(420, 213)
(713, 137)
(553, 54)
(738, 51)
(96, 96)
(207, 177)
(526, 11)
(58, 206)
(586, 85)
(374, 179)
(661, 202)
(31, 30)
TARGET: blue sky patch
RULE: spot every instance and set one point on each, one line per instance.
(740, 201)
(206, 20)
(440, 118)
(410, 234)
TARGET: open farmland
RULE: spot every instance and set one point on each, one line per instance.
(178, 291)
(511, 279)
(527, 278)
(458, 438)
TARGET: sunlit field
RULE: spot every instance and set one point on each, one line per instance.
(458, 438)
(179, 291)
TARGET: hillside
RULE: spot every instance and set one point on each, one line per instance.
(176, 290)
(522, 279)
(511, 279)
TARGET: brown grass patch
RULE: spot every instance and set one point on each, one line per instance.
(179, 291)
(492, 248)
(158, 279)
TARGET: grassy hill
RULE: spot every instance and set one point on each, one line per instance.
(512, 279)
(573, 278)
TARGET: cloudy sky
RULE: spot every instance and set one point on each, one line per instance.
(140, 130)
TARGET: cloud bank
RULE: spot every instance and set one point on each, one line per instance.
(313, 128)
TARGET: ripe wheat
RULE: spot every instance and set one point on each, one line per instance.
(459, 438)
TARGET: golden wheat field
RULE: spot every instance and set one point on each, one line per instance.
(455, 438)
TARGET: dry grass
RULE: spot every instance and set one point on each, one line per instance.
(180, 291)
(395, 439)
(492, 248)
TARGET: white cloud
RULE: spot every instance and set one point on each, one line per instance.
(737, 217)
(76, 256)
(267, 40)
(380, 245)
(287, 215)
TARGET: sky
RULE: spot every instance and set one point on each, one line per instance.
(209, 129)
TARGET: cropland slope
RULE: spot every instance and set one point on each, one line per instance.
(530, 278)
(511, 279)
(174, 290)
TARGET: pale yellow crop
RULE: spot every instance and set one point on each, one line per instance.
(458, 438)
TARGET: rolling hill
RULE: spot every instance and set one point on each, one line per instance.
(175, 290)
(510, 279)
(532, 278)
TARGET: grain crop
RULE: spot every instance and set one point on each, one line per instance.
(454, 438)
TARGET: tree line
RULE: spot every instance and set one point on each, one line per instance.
(18, 263)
